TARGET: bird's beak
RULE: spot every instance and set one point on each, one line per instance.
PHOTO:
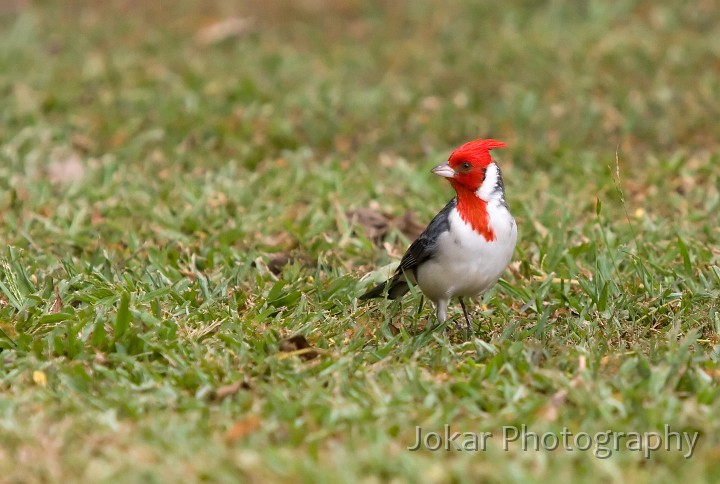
(444, 170)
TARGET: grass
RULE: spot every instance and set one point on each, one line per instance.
(150, 181)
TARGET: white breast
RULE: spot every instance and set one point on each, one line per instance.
(466, 264)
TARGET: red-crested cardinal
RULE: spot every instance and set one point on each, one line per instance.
(468, 245)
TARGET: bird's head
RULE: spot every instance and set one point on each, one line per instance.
(470, 168)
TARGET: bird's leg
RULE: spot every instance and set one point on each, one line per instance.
(420, 306)
(467, 317)
(441, 310)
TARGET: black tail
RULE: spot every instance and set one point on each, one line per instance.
(397, 287)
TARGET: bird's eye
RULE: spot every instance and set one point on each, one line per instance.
(466, 166)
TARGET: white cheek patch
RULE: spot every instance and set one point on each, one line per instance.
(487, 189)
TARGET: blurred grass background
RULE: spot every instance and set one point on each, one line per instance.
(155, 159)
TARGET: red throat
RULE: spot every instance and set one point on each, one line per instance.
(473, 210)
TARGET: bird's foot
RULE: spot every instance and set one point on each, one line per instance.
(467, 316)
(462, 327)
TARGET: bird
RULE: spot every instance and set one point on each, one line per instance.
(468, 245)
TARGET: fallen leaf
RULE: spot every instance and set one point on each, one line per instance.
(83, 143)
(229, 390)
(423, 325)
(377, 224)
(297, 346)
(58, 304)
(241, 428)
(277, 261)
(394, 328)
(374, 223)
(409, 225)
(281, 240)
(230, 28)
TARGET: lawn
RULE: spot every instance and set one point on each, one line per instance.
(193, 195)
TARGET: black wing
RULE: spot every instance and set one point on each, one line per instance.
(423, 248)
(419, 251)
